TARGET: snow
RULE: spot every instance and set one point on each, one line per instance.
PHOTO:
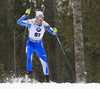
(15, 83)
(18, 85)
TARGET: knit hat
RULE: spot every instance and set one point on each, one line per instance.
(39, 15)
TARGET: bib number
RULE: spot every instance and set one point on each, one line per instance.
(37, 34)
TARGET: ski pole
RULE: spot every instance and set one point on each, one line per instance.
(22, 47)
(43, 9)
(23, 43)
(65, 55)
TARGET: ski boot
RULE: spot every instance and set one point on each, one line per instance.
(47, 78)
(29, 77)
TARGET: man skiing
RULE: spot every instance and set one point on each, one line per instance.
(36, 27)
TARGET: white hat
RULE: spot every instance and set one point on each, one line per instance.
(39, 15)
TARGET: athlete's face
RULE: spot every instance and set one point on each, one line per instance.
(39, 21)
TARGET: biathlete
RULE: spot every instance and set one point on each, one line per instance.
(36, 27)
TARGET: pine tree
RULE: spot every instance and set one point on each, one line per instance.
(58, 67)
(6, 41)
(65, 24)
(49, 17)
(91, 17)
(2, 73)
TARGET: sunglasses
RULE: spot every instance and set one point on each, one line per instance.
(39, 17)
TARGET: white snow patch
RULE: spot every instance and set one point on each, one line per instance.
(49, 86)
(16, 84)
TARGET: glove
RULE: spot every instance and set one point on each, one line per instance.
(55, 30)
(27, 12)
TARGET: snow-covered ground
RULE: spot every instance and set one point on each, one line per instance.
(49, 86)
(16, 84)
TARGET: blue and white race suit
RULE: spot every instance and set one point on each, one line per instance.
(34, 42)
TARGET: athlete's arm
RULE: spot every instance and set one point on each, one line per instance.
(23, 22)
(49, 29)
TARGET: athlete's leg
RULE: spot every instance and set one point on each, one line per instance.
(42, 56)
(29, 52)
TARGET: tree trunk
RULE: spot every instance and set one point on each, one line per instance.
(58, 63)
(78, 42)
(48, 58)
(57, 47)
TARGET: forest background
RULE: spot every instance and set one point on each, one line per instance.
(59, 14)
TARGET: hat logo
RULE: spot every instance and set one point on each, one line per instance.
(40, 15)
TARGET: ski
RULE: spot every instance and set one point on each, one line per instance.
(27, 80)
